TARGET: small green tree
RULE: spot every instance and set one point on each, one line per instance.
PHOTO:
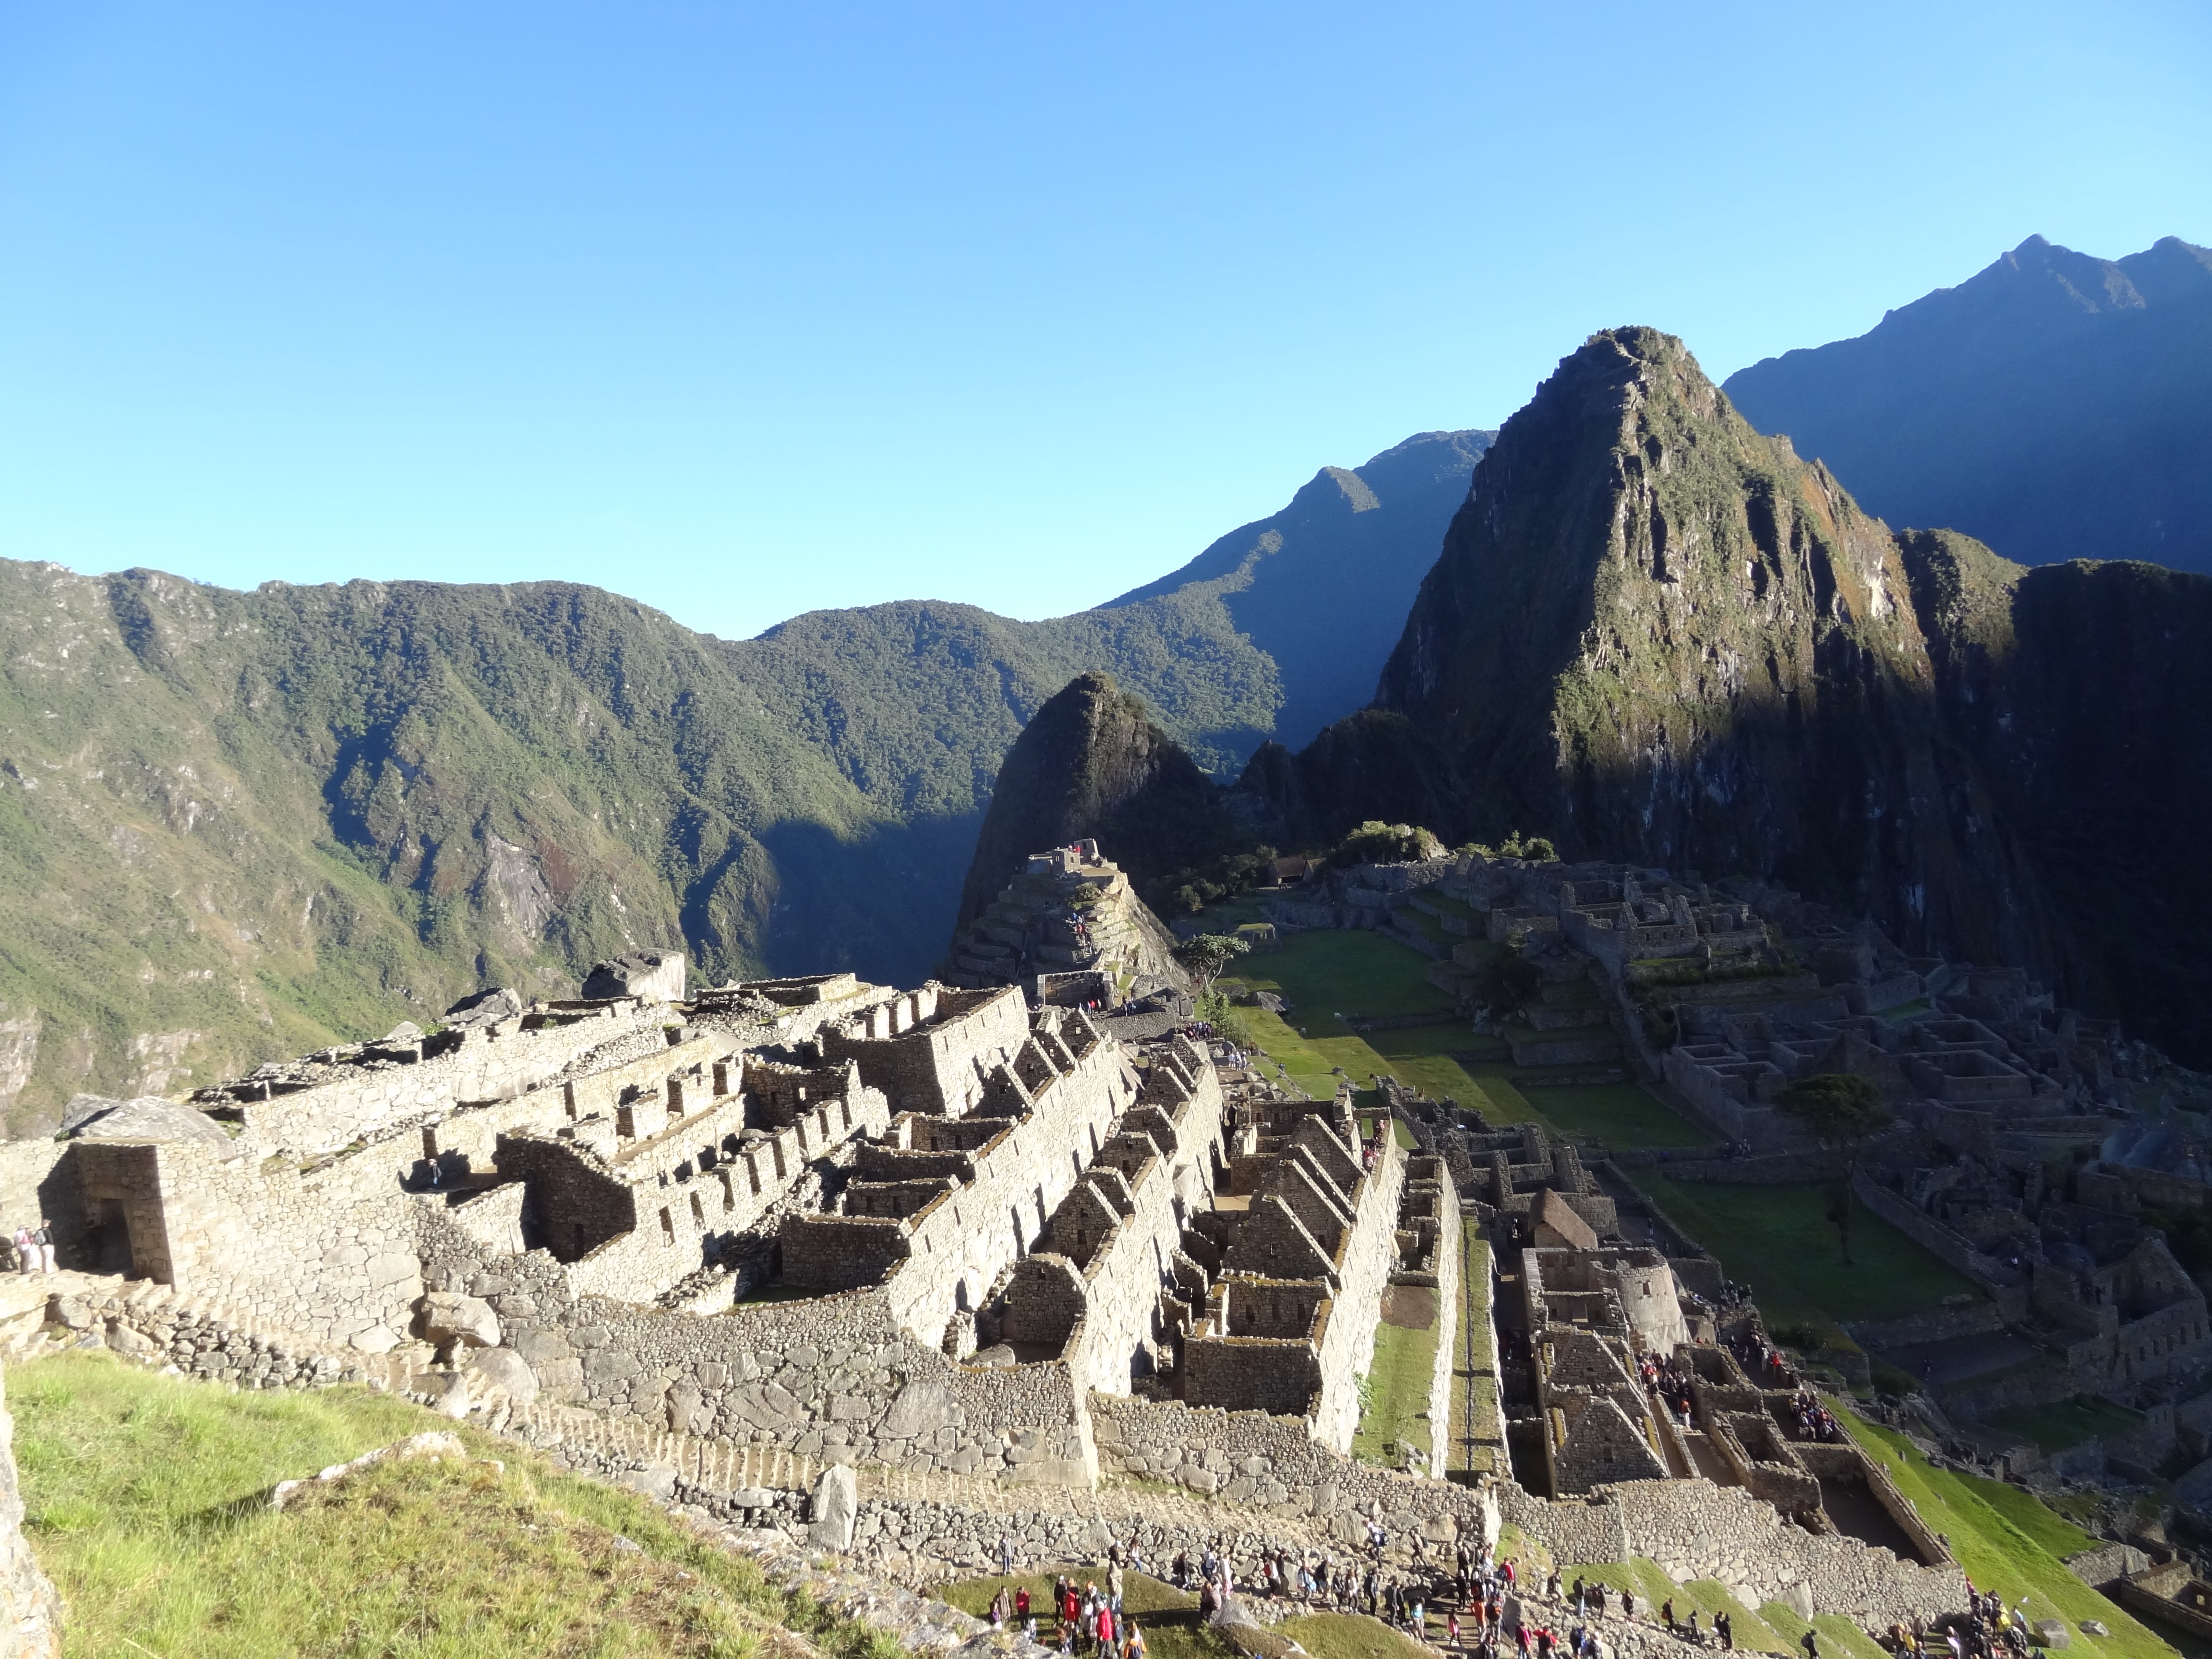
(1086, 897)
(1207, 954)
(1843, 1112)
(1377, 842)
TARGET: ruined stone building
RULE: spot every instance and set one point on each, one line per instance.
(1071, 914)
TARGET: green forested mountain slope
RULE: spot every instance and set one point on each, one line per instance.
(239, 825)
(235, 825)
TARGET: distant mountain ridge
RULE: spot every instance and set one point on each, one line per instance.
(241, 825)
(2054, 405)
(1323, 585)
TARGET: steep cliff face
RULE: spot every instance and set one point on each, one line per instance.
(1091, 764)
(2083, 691)
(1655, 633)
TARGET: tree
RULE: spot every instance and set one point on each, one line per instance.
(1207, 954)
(1843, 1112)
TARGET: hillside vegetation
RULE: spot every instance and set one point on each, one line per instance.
(147, 1504)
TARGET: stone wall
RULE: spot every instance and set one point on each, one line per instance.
(1450, 1253)
(1364, 1269)
(932, 1051)
(481, 1066)
(329, 1252)
(833, 1378)
(1691, 1527)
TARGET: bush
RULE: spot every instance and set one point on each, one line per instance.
(1535, 849)
(1377, 842)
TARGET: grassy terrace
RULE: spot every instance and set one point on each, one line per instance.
(1396, 1397)
(1780, 1241)
(2067, 1423)
(1477, 1359)
(2006, 1539)
(146, 1501)
(1332, 977)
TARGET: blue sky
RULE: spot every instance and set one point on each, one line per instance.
(750, 310)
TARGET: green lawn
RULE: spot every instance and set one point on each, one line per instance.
(1167, 1616)
(1326, 972)
(146, 1502)
(1476, 1358)
(1350, 1636)
(2068, 1423)
(2006, 1540)
(1397, 1392)
(1780, 1241)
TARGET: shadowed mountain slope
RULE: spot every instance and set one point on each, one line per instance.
(1656, 635)
(2055, 406)
(1322, 586)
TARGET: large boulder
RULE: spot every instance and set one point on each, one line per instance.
(502, 1369)
(449, 1316)
(836, 1507)
(146, 1117)
(657, 975)
(485, 1007)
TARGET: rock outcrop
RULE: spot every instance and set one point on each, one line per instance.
(1092, 764)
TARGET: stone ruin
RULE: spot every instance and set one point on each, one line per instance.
(1068, 926)
(792, 1226)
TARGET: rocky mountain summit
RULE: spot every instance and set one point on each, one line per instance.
(2055, 404)
(1656, 633)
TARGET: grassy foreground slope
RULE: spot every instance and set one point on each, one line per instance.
(146, 1501)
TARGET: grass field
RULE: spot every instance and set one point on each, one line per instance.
(1398, 1380)
(1476, 1358)
(2007, 1541)
(1350, 1636)
(146, 1503)
(1167, 1616)
(1328, 976)
(2068, 1423)
(1780, 1241)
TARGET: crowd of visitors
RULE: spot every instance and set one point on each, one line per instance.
(1473, 1605)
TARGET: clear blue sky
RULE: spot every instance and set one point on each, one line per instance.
(748, 310)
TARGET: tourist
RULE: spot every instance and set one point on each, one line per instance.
(1667, 1613)
(1006, 1555)
(1180, 1569)
(1022, 1602)
(1451, 1628)
(1725, 1627)
(26, 1262)
(1811, 1645)
(43, 1241)
(1694, 1633)
(1106, 1649)
(1627, 1603)
(1114, 1583)
(1133, 1642)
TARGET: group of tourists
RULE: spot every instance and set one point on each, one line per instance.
(1987, 1630)
(1669, 1381)
(35, 1249)
(1476, 1607)
(1814, 1420)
